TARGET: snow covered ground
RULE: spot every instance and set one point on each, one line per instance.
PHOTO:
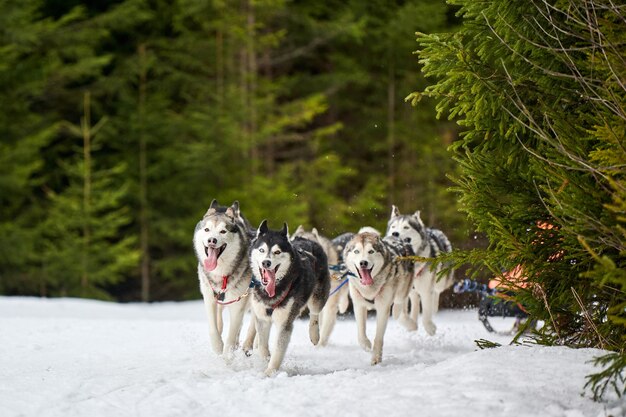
(68, 357)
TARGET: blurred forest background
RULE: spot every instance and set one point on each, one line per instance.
(121, 120)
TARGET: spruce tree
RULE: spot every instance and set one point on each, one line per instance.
(539, 87)
(84, 246)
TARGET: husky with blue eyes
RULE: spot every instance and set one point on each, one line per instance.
(293, 274)
(380, 281)
(427, 283)
(221, 241)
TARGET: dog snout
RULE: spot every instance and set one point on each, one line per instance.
(266, 263)
(407, 239)
(213, 240)
(395, 234)
(363, 264)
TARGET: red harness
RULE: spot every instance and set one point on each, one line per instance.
(418, 273)
(219, 296)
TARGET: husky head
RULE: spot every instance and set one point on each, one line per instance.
(315, 236)
(369, 229)
(219, 237)
(271, 255)
(409, 228)
(365, 256)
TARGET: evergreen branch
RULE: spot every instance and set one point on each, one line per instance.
(612, 376)
(601, 340)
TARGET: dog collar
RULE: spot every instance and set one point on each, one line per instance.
(382, 287)
(279, 302)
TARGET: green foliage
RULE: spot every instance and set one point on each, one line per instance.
(611, 377)
(542, 159)
(486, 344)
(293, 108)
(80, 264)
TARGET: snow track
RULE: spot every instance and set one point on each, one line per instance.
(67, 357)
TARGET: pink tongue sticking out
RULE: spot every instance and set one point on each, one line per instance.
(210, 263)
(366, 276)
(269, 276)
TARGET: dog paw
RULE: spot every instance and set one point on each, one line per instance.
(430, 328)
(376, 359)
(229, 349)
(218, 347)
(408, 323)
(366, 344)
(265, 355)
(270, 372)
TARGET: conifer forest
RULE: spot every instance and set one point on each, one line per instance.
(503, 122)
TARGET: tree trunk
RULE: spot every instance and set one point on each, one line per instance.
(86, 131)
(219, 62)
(252, 84)
(391, 133)
(143, 180)
(270, 143)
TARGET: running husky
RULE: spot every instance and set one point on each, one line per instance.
(381, 281)
(221, 243)
(293, 275)
(338, 301)
(427, 283)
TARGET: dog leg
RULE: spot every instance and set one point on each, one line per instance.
(427, 312)
(211, 309)
(316, 306)
(360, 314)
(414, 296)
(314, 328)
(282, 341)
(382, 318)
(396, 310)
(220, 319)
(248, 343)
(404, 319)
(435, 302)
(344, 300)
(234, 329)
(263, 327)
(328, 317)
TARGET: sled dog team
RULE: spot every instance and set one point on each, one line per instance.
(277, 276)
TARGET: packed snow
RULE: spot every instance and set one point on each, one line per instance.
(68, 357)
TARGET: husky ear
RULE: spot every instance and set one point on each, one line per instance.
(417, 217)
(299, 230)
(262, 229)
(233, 210)
(348, 248)
(316, 234)
(212, 208)
(394, 211)
(285, 231)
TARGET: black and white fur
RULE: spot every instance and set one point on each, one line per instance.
(339, 301)
(381, 281)
(427, 282)
(221, 241)
(293, 275)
